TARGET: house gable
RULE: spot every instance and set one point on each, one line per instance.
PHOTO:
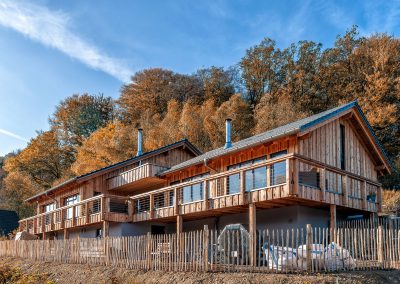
(364, 155)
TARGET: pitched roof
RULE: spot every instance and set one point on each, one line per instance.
(288, 129)
(182, 142)
(8, 221)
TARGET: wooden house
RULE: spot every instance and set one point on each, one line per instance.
(316, 170)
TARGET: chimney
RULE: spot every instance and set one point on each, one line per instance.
(228, 142)
(139, 142)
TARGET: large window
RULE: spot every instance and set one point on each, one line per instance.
(278, 170)
(73, 199)
(193, 192)
(342, 147)
(256, 178)
(253, 178)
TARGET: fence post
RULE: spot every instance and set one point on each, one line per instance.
(308, 247)
(380, 245)
(205, 247)
(148, 251)
(253, 234)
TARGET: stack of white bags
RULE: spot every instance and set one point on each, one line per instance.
(332, 258)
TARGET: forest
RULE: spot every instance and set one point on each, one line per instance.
(268, 87)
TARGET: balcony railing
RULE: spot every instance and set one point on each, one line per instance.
(139, 173)
(286, 177)
(89, 211)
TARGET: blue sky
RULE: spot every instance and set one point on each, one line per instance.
(52, 49)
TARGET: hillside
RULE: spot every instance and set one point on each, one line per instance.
(26, 271)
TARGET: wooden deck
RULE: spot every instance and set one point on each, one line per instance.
(87, 212)
(138, 177)
(305, 181)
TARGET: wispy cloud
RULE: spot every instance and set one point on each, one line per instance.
(52, 28)
(13, 135)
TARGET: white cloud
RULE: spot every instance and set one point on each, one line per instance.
(13, 135)
(52, 29)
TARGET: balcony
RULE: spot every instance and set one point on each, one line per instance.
(87, 212)
(285, 180)
(141, 177)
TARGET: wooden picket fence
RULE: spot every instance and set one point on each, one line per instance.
(293, 250)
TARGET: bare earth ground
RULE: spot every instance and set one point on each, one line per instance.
(15, 270)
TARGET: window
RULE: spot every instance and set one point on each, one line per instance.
(256, 178)
(142, 204)
(49, 207)
(278, 170)
(96, 203)
(70, 201)
(46, 209)
(342, 147)
(193, 192)
(233, 181)
(159, 200)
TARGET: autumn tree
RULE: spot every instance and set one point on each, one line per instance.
(219, 84)
(16, 189)
(152, 89)
(108, 145)
(260, 69)
(167, 131)
(78, 116)
(45, 160)
(242, 121)
(272, 112)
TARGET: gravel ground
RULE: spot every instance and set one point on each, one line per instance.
(26, 271)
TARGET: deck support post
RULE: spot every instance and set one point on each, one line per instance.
(106, 227)
(130, 209)
(253, 233)
(66, 234)
(179, 224)
(332, 210)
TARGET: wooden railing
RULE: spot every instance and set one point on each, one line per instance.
(141, 172)
(298, 177)
(89, 211)
(340, 187)
(212, 192)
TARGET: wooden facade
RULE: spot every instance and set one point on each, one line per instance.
(334, 163)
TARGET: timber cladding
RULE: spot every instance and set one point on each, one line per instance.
(323, 144)
(221, 164)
